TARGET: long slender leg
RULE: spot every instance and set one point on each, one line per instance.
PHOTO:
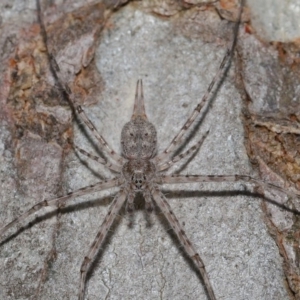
(113, 210)
(226, 178)
(67, 92)
(179, 157)
(58, 201)
(162, 203)
(100, 160)
(105, 147)
(177, 140)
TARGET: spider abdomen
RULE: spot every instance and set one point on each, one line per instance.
(138, 139)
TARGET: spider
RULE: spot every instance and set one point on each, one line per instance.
(140, 171)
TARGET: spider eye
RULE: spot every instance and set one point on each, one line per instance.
(131, 134)
(146, 134)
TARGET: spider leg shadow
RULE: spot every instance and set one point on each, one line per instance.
(202, 193)
(186, 194)
(62, 210)
(195, 129)
(164, 222)
(86, 164)
(100, 252)
(139, 206)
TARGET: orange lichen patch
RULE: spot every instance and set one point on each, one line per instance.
(277, 144)
(289, 53)
(34, 29)
(230, 9)
(284, 240)
(229, 4)
(87, 85)
(248, 29)
(274, 145)
(37, 104)
(272, 138)
(29, 90)
(12, 63)
(278, 154)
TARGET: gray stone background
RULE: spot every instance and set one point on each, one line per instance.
(142, 261)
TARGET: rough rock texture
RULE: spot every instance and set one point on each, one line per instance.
(176, 48)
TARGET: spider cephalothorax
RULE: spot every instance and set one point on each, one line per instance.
(139, 142)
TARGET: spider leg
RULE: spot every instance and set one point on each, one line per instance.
(68, 93)
(104, 146)
(179, 157)
(58, 201)
(226, 178)
(100, 160)
(110, 217)
(164, 206)
(177, 140)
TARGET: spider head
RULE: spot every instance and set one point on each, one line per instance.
(138, 173)
(138, 180)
